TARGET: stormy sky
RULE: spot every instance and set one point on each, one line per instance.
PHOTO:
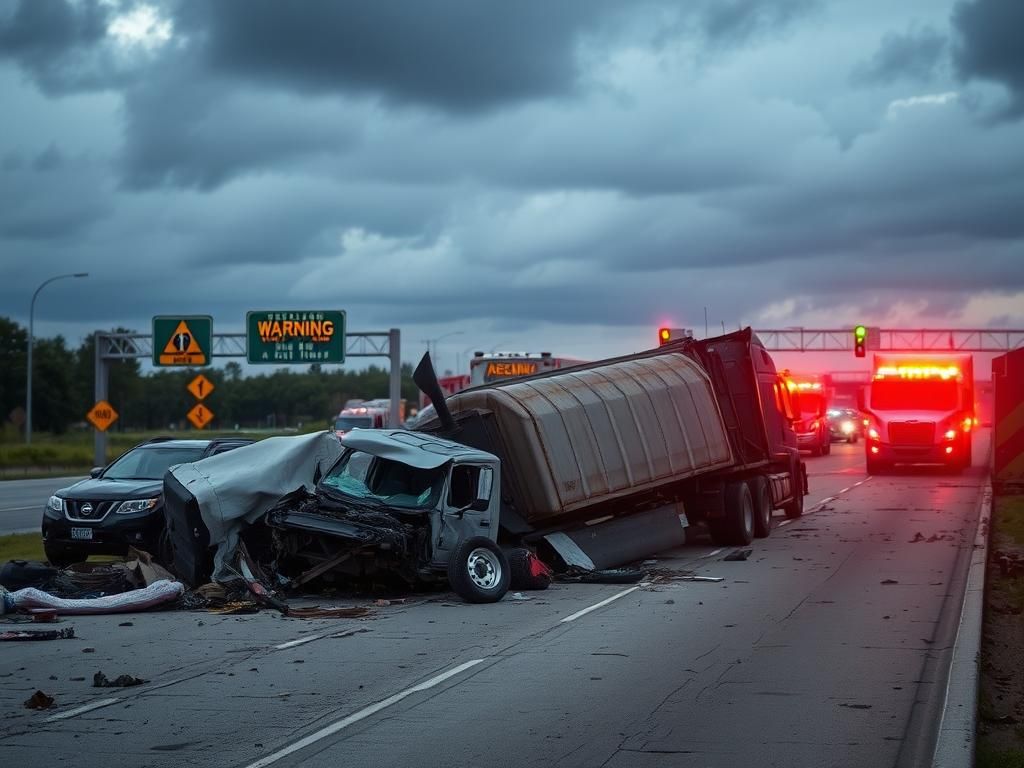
(560, 176)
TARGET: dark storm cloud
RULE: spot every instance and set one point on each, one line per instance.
(54, 41)
(990, 46)
(459, 55)
(185, 129)
(914, 54)
(737, 20)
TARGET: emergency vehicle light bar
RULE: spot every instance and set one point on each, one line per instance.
(918, 372)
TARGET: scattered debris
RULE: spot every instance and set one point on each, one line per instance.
(88, 650)
(520, 596)
(38, 634)
(162, 591)
(126, 624)
(39, 700)
(738, 555)
(888, 581)
(856, 706)
(316, 612)
(100, 680)
(917, 537)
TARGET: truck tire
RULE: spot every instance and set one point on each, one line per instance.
(478, 571)
(873, 466)
(795, 507)
(826, 447)
(762, 506)
(737, 527)
(526, 571)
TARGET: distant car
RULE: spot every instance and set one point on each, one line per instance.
(845, 424)
(120, 505)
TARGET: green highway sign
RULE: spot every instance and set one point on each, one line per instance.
(182, 339)
(300, 336)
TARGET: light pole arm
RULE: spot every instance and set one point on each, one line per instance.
(31, 340)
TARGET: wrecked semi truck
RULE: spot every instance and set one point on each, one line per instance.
(608, 462)
(600, 464)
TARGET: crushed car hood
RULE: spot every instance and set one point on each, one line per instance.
(416, 449)
(236, 488)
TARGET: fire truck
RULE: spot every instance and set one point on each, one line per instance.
(812, 430)
(368, 414)
(920, 410)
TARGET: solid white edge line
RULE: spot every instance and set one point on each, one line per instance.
(710, 554)
(19, 509)
(362, 715)
(300, 641)
(82, 710)
(844, 490)
(595, 606)
(954, 743)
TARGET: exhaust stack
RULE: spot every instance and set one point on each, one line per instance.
(426, 379)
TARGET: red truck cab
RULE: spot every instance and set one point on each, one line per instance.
(920, 410)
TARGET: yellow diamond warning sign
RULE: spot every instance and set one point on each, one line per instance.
(200, 416)
(102, 415)
(182, 340)
(200, 387)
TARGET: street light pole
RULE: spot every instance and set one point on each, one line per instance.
(31, 329)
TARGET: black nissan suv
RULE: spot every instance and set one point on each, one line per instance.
(120, 505)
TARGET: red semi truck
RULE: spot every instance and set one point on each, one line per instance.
(920, 410)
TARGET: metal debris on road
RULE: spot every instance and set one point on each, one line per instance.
(39, 700)
(738, 555)
(100, 680)
(38, 634)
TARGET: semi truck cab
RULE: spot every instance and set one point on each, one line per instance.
(920, 411)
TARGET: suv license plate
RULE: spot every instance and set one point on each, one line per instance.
(81, 533)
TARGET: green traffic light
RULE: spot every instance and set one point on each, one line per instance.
(860, 331)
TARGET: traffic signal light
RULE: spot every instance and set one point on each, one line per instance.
(860, 335)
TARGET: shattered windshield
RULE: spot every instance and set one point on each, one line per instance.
(364, 476)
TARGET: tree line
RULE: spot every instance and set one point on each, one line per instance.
(63, 382)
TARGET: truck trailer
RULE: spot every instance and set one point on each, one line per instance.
(614, 459)
(920, 410)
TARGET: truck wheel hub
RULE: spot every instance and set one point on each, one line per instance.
(484, 569)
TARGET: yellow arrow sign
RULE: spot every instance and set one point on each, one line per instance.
(200, 416)
(102, 415)
(200, 387)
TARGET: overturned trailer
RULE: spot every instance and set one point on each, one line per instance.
(608, 462)
(599, 464)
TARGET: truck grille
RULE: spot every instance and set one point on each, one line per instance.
(912, 432)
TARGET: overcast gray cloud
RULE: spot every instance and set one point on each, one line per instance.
(990, 45)
(566, 175)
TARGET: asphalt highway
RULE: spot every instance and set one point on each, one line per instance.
(827, 646)
(21, 502)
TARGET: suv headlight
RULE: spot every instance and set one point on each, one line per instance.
(55, 503)
(135, 505)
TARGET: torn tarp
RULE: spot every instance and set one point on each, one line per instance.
(236, 488)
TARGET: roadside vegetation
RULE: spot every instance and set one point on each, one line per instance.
(21, 546)
(1001, 698)
(155, 402)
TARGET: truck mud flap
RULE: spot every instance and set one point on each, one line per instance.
(621, 540)
(192, 560)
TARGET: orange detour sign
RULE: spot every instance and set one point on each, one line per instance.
(102, 415)
(200, 416)
(200, 387)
